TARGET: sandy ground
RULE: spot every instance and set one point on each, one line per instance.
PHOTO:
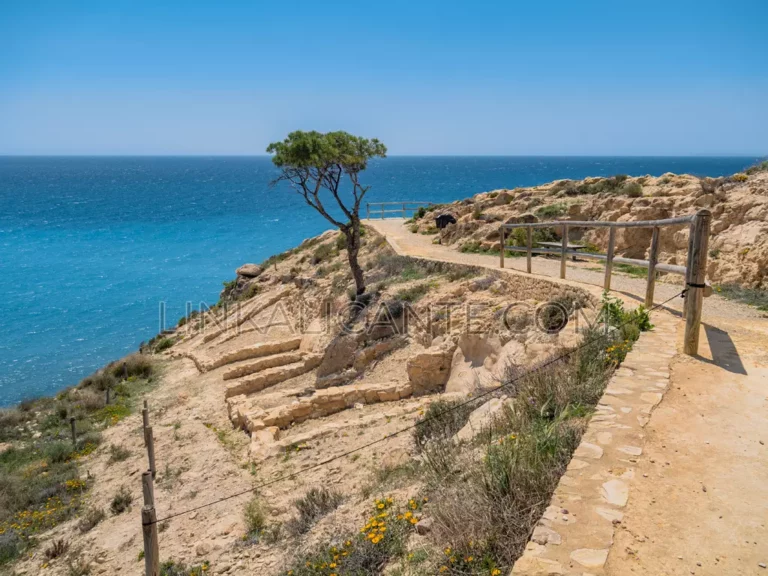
(701, 502)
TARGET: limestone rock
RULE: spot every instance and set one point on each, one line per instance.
(429, 370)
(481, 419)
(249, 270)
(339, 355)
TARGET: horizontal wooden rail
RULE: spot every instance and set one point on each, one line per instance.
(669, 268)
(596, 224)
(694, 270)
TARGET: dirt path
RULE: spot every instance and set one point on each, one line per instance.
(699, 504)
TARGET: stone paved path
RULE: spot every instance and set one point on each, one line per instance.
(672, 475)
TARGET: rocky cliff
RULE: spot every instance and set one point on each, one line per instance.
(739, 235)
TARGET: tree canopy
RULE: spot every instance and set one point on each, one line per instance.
(314, 161)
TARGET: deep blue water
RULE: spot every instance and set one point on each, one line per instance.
(89, 247)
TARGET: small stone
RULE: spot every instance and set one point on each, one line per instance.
(424, 526)
(590, 558)
(203, 549)
(615, 492)
(762, 565)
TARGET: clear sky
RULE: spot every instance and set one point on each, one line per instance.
(620, 77)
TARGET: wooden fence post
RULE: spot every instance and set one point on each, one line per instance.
(688, 264)
(150, 442)
(403, 211)
(609, 258)
(694, 280)
(73, 426)
(382, 211)
(501, 252)
(653, 258)
(149, 527)
(368, 210)
(145, 420)
(563, 251)
(529, 245)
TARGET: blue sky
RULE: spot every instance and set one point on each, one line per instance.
(507, 77)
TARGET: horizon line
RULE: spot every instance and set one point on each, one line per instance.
(741, 155)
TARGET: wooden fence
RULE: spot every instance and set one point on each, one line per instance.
(379, 209)
(694, 271)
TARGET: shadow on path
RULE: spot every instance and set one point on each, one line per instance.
(724, 353)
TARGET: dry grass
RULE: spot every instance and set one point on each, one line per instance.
(487, 496)
(315, 504)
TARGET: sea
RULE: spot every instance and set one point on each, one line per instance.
(97, 252)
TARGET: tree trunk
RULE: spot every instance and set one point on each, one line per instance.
(353, 248)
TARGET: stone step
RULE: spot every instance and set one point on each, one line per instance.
(272, 376)
(272, 361)
(255, 351)
(246, 414)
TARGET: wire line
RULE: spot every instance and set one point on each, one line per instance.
(538, 368)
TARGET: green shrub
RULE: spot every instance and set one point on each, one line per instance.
(413, 293)
(552, 211)
(255, 516)
(174, 568)
(420, 213)
(11, 547)
(58, 452)
(163, 344)
(323, 253)
(632, 189)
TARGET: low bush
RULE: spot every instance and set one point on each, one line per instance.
(121, 501)
(632, 189)
(90, 519)
(255, 516)
(57, 548)
(174, 568)
(552, 211)
(323, 253)
(118, 453)
(315, 504)
(58, 452)
(381, 541)
(413, 293)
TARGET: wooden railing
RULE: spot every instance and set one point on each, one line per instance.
(694, 270)
(381, 208)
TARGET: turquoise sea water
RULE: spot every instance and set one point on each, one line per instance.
(89, 247)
